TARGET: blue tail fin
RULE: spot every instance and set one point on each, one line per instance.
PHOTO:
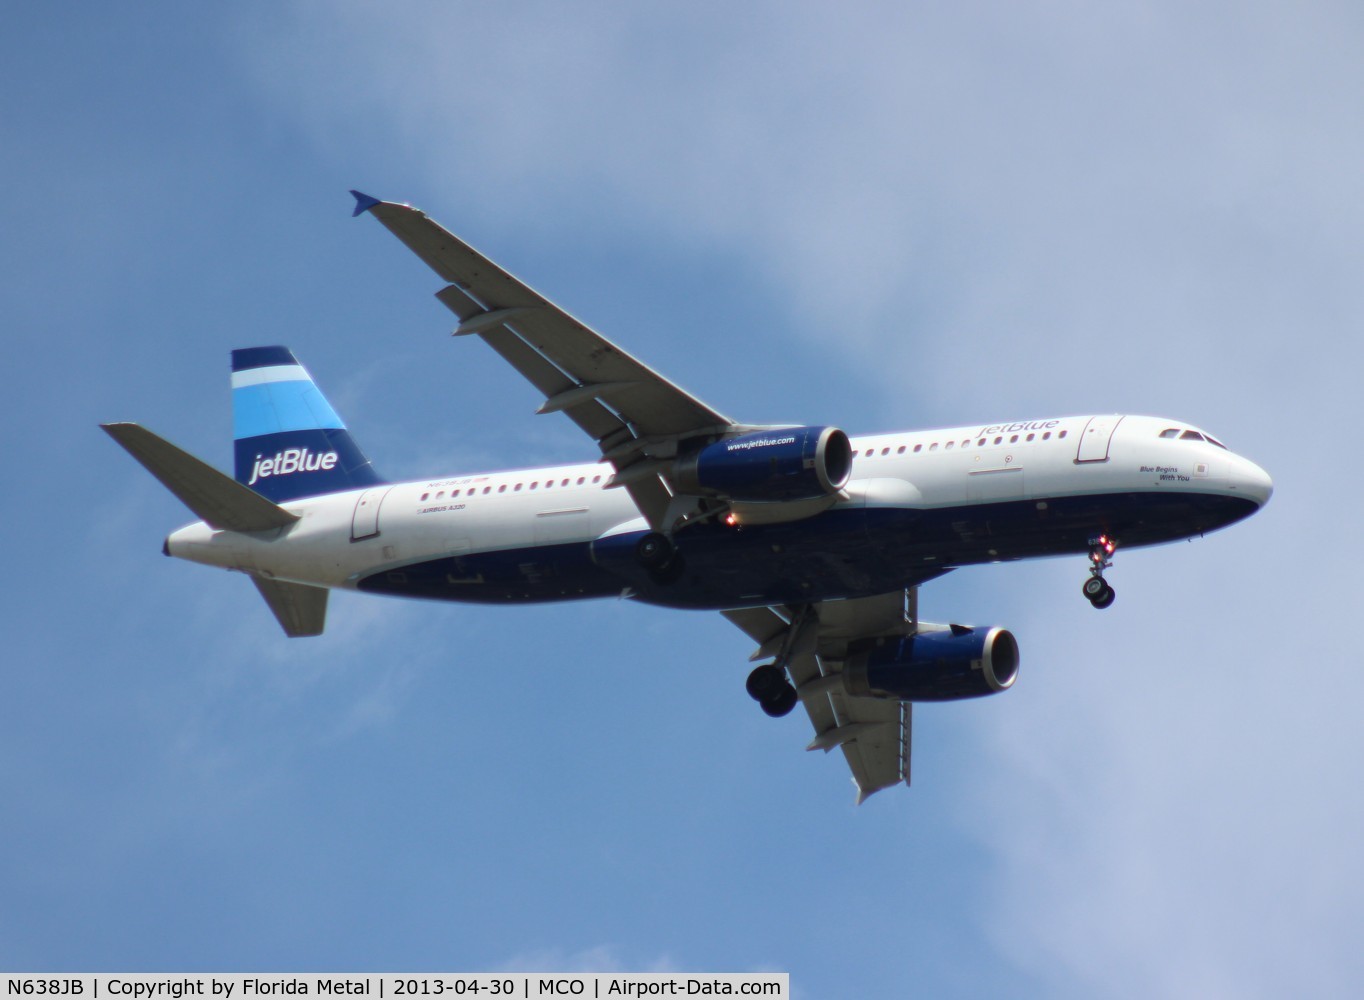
(289, 441)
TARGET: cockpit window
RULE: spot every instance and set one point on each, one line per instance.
(1170, 433)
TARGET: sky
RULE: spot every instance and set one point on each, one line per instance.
(879, 216)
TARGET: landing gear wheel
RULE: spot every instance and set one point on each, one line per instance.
(1096, 589)
(765, 682)
(658, 556)
(782, 703)
(768, 686)
(655, 551)
(1105, 599)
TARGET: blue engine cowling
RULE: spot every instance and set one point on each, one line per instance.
(791, 463)
(936, 666)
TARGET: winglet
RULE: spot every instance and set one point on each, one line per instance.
(363, 203)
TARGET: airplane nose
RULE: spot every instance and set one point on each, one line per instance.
(1250, 480)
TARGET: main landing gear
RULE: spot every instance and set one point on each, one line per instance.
(768, 686)
(659, 557)
(1096, 588)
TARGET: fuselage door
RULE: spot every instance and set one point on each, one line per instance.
(365, 521)
(1096, 437)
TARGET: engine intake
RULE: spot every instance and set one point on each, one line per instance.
(949, 665)
(791, 463)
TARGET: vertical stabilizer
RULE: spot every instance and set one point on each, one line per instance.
(289, 442)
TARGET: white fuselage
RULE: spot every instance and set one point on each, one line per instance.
(1032, 470)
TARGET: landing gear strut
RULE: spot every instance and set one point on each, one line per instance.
(1096, 588)
(768, 686)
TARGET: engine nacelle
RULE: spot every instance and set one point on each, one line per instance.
(792, 463)
(948, 665)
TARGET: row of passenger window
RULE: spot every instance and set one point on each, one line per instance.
(548, 484)
(868, 453)
(950, 445)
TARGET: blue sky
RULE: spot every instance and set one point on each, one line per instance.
(885, 217)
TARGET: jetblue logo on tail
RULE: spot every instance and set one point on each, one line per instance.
(289, 461)
(289, 442)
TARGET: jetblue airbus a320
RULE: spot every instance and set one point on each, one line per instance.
(811, 541)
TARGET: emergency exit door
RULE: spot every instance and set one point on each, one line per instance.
(1095, 439)
(365, 521)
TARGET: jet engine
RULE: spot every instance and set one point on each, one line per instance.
(945, 665)
(788, 463)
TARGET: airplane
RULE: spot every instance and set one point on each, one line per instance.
(812, 542)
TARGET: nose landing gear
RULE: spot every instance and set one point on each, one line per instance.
(1096, 588)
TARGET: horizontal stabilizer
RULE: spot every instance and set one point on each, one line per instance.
(300, 609)
(215, 497)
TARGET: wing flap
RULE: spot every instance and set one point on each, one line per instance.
(873, 755)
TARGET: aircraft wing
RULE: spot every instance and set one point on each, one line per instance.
(873, 733)
(635, 415)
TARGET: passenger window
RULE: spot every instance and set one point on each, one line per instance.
(999, 439)
(564, 483)
(581, 480)
(1030, 437)
(424, 496)
(487, 490)
(1014, 439)
(950, 445)
(900, 450)
(502, 488)
(1061, 435)
(933, 446)
(918, 448)
(596, 479)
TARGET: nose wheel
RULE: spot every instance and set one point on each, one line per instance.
(1096, 588)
